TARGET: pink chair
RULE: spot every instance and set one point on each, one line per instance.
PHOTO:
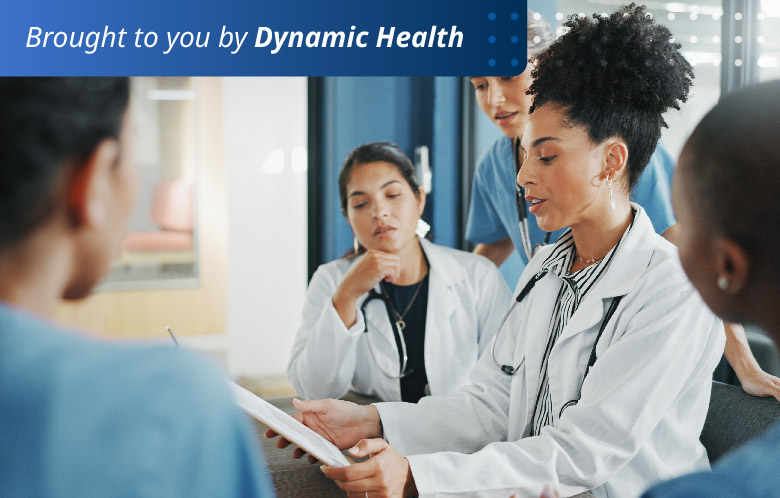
(172, 210)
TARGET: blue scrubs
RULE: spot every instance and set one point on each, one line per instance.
(749, 472)
(85, 418)
(493, 215)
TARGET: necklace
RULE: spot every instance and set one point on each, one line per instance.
(399, 319)
(586, 261)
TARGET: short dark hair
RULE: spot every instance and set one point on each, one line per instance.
(47, 125)
(732, 162)
(615, 75)
(374, 152)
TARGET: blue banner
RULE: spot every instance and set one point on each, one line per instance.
(263, 38)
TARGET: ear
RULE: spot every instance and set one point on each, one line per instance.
(733, 266)
(615, 159)
(89, 192)
(420, 201)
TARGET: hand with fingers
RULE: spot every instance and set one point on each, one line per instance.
(386, 474)
(759, 383)
(343, 423)
(373, 267)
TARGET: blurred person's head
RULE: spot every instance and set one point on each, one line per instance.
(380, 196)
(504, 99)
(599, 92)
(726, 197)
(66, 178)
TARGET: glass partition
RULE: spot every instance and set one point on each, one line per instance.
(159, 248)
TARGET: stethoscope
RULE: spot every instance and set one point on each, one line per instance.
(522, 214)
(509, 370)
(372, 295)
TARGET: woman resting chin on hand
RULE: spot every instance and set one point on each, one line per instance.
(399, 317)
(600, 376)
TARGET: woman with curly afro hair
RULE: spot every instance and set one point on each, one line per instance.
(599, 377)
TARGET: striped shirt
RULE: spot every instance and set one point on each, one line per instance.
(574, 287)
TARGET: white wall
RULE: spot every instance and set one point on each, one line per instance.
(264, 131)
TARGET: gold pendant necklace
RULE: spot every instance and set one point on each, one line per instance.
(399, 319)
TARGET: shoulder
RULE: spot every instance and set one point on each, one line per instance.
(661, 157)
(496, 156)
(664, 271)
(150, 384)
(138, 386)
(453, 259)
(138, 416)
(750, 471)
(333, 271)
(464, 258)
(661, 166)
(699, 485)
(533, 266)
(645, 263)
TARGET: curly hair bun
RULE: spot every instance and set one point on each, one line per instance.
(625, 59)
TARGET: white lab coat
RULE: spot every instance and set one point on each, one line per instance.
(466, 298)
(643, 403)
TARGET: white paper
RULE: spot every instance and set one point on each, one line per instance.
(288, 427)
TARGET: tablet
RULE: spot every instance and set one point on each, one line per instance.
(287, 427)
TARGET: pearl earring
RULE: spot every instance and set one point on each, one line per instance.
(611, 199)
(723, 283)
(355, 244)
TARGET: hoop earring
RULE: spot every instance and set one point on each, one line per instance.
(723, 283)
(611, 199)
(355, 245)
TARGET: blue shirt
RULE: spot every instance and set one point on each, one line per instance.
(493, 215)
(90, 419)
(751, 471)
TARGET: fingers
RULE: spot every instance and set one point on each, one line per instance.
(298, 453)
(281, 443)
(773, 385)
(360, 470)
(310, 406)
(304, 406)
(359, 487)
(762, 384)
(391, 267)
(381, 266)
(350, 474)
(368, 447)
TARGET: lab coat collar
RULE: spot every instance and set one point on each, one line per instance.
(629, 263)
(445, 273)
(442, 265)
(631, 258)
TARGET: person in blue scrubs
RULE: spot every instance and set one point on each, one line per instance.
(82, 417)
(725, 196)
(493, 220)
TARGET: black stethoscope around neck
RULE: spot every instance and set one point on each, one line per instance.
(522, 212)
(399, 336)
(510, 370)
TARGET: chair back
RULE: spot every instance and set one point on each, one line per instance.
(173, 205)
(734, 418)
